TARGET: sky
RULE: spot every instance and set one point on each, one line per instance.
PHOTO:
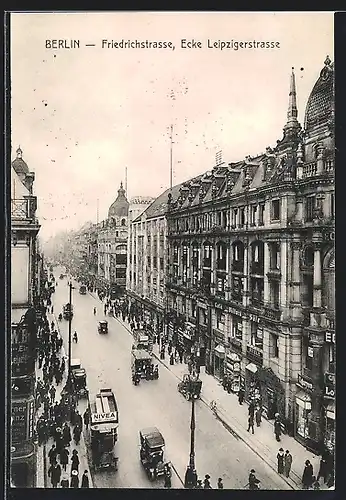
(85, 116)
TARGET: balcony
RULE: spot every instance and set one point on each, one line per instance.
(254, 354)
(309, 170)
(272, 313)
(257, 268)
(274, 274)
(23, 208)
(238, 266)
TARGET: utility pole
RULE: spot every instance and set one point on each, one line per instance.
(191, 474)
(70, 336)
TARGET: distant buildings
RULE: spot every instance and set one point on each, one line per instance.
(25, 266)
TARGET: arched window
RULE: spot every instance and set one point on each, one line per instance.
(221, 255)
(328, 281)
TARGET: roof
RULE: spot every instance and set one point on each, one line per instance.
(159, 205)
(141, 354)
(321, 100)
(19, 164)
(120, 207)
(153, 437)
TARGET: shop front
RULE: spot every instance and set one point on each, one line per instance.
(219, 360)
(329, 405)
(233, 371)
(302, 409)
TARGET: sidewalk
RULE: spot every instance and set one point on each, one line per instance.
(43, 481)
(235, 416)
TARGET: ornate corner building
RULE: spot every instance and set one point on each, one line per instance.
(25, 291)
(251, 270)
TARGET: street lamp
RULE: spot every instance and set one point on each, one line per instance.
(191, 474)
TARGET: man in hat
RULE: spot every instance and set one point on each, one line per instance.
(85, 480)
(219, 484)
(287, 463)
(206, 482)
(253, 481)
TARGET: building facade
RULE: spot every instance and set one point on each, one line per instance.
(251, 270)
(112, 245)
(23, 327)
(147, 250)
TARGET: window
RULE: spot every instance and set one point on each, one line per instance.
(175, 255)
(194, 309)
(221, 284)
(261, 214)
(332, 359)
(221, 256)
(219, 218)
(120, 273)
(121, 258)
(220, 320)
(275, 294)
(161, 262)
(256, 335)
(123, 222)
(309, 256)
(237, 327)
(332, 213)
(253, 212)
(116, 234)
(207, 255)
(276, 210)
(274, 256)
(155, 262)
(274, 346)
(234, 217)
(242, 216)
(183, 305)
(309, 208)
(309, 357)
(148, 258)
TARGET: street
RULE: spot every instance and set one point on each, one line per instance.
(107, 360)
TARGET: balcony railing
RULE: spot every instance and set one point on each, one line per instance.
(23, 208)
(309, 170)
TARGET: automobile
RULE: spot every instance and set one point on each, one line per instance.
(151, 453)
(103, 326)
(68, 311)
(141, 361)
(78, 375)
(82, 290)
(190, 387)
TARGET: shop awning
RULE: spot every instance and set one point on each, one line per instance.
(303, 400)
(251, 367)
(220, 350)
(331, 410)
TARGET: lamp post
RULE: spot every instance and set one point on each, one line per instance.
(191, 474)
(70, 335)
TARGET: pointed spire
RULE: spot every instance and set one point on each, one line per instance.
(19, 152)
(292, 112)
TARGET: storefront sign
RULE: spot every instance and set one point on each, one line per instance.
(22, 421)
(329, 385)
(305, 384)
(310, 352)
(254, 318)
(329, 235)
(329, 337)
(235, 311)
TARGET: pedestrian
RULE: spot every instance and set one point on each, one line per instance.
(74, 479)
(168, 476)
(199, 485)
(65, 482)
(252, 409)
(287, 463)
(85, 480)
(253, 481)
(315, 483)
(277, 429)
(241, 394)
(171, 359)
(64, 453)
(52, 392)
(86, 418)
(206, 482)
(251, 424)
(52, 454)
(323, 466)
(280, 458)
(76, 434)
(219, 484)
(258, 416)
(66, 435)
(75, 460)
(54, 472)
(307, 475)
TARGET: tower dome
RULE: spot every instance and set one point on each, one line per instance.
(120, 207)
(19, 164)
(320, 105)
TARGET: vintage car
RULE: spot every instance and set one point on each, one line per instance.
(67, 311)
(141, 362)
(190, 387)
(103, 326)
(78, 376)
(152, 452)
(83, 290)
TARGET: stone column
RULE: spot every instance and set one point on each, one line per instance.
(257, 216)
(266, 216)
(266, 288)
(283, 266)
(317, 277)
(320, 160)
(299, 210)
(295, 302)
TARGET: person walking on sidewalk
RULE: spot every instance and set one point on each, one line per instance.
(277, 429)
(66, 435)
(219, 484)
(65, 482)
(253, 481)
(206, 482)
(52, 392)
(258, 416)
(280, 458)
(86, 418)
(64, 453)
(52, 454)
(241, 395)
(251, 424)
(307, 475)
(85, 480)
(75, 461)
(323, 466)
(287, 463)
(252, 409)
(74, 479)
(77, 433)
(54, 472)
